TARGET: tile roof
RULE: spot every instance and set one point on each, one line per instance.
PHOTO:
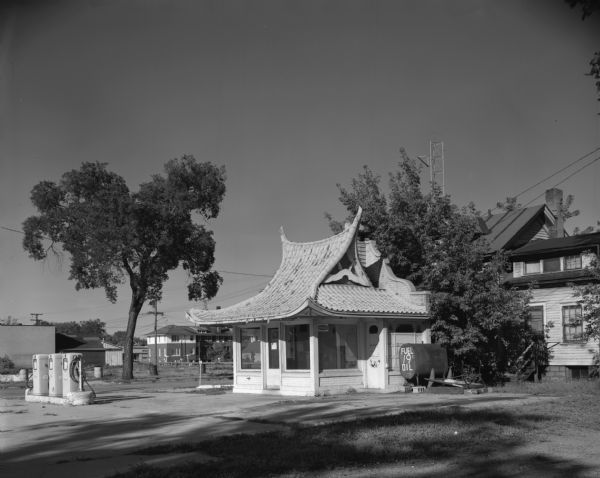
(355, 298)
(295, 285)
(303, 266)
(505, 226)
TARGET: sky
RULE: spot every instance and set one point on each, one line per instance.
(292, 97)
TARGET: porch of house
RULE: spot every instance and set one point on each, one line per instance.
(308, 356)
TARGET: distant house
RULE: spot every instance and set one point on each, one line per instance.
(543, 255)
(95, 352)
(333, 318)
(180, 343)
(552, 265)
(510, 230)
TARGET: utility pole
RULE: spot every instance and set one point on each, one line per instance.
(156, 313)
(36, 315)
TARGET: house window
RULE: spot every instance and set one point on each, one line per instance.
(532, 267)
(572, 323)
(338, 346)
(552, 265)
(536, 319)
(250, 348)
(573, 262)
(297, 347)
(174, 338)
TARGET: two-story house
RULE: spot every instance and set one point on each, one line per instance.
(178, 343)
(552, 266)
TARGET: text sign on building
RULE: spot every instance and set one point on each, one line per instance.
(407, 361)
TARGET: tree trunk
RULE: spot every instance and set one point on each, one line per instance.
(137, 301)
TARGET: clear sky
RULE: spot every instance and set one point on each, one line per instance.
(292, 97)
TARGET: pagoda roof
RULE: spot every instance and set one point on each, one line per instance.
(310, 276)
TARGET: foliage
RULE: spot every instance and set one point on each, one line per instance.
(588, 7)
(85, 328)
(589, 298)
(113, 235)
(10, 321)
(440, 248)
(6, 364)
(120, 336)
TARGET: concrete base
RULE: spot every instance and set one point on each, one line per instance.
(73, 398)
(204, 387)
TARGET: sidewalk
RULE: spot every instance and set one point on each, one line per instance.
(51, 441)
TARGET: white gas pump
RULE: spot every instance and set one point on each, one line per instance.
(40, 374)
(55, 375)
(72, 367)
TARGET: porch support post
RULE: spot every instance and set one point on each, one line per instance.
(314, 354)
(235, 345)
(384, 351)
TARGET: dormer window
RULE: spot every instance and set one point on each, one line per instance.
(533, 267)
(573, 262)
(552, 265)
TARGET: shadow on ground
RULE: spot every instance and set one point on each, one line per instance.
(441, 442)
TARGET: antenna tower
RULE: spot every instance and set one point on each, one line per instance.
(437, 170)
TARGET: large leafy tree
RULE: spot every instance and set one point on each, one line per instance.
(85, 328)
(440, 247)
(113, 235)
(589, 298)
(588, 7)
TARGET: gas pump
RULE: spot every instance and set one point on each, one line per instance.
(40, 374)
(72, 369)
(55, 375)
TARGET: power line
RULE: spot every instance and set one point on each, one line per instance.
(246, 274)
(554, 174)
(558, 172)
(12, 230)
(565, 179)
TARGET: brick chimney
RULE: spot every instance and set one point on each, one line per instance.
(554, 199)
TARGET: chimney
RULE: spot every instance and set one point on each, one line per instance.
(554, 199)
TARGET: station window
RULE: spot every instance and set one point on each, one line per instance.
(338, 347)
(297, 347)
(250, 348)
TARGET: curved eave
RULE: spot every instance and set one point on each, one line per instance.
(310, 306)
(365, 314)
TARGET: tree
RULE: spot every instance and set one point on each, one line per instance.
(113, 235)
(86, 328)
(587, 8)
(439, 247)
(10, 321)
(120, 336)
(589, 295)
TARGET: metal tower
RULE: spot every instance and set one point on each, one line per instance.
(435, 163)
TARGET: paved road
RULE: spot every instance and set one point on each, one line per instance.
(48, 441)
